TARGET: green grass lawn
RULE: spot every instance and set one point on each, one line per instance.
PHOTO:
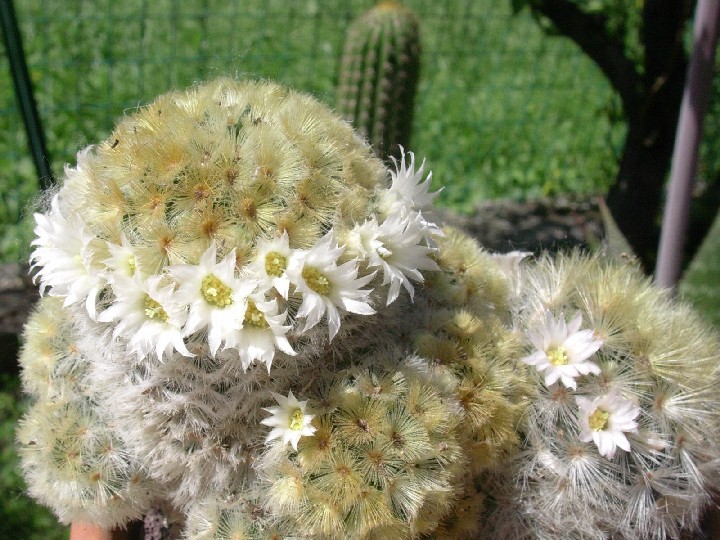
(502, 110)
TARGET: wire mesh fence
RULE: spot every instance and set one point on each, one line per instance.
(502, 109)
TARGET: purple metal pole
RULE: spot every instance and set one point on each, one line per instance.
(687, 140)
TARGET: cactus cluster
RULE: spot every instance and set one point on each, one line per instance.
(74, 458)
(624, 444)
(463, 324)
(378, 78)
(250, 322)
(383, 460)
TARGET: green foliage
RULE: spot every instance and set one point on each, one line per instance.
(20, 517)
(379, 75)
(701, 282)
(489, 122)
(622, 18)
(708, 169)
(501, 110)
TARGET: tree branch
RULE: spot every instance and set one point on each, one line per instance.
(589, 32)
(664, 23)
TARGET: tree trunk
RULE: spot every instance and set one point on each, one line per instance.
(636, 196)
(651, 96)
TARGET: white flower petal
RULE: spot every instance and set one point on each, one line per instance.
(325, 286)
(289, 420)
(408, 188)
(148, 315)
(563, 350)
(64, 257)
(216, 298)
(279, 250)
(605, 420)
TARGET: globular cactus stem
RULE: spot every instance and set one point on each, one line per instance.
(379, 75)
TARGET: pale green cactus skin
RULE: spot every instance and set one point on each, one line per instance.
(465, 327)
(383, 463)
(224, 162)
(229, 163)
(73, 458)
(379, 75)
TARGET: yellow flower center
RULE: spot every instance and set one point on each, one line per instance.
(296, 420)
(215, 292)
(598, 420)
(558, 356)
(132, 265)
(275, 264)
(254, 317)
(316, 280)
(154, 310)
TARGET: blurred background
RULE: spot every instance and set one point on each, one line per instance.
(502, 109)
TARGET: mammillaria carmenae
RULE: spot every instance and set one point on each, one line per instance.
(250, 320)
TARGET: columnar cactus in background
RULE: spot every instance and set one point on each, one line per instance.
(379, 75)
(251, 323)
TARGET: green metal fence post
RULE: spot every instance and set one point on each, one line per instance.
(24, 92)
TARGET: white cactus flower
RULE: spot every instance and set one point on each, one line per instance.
(289, 420)
(604, 420)
(149, 315)
(262, 332)
(397, 246)
(327, 287)
(363, 241)
(64, 254)
(408, 189)
(217, 299)
(509, 263)
(122, 260)
(271, 262)
(563, 350)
